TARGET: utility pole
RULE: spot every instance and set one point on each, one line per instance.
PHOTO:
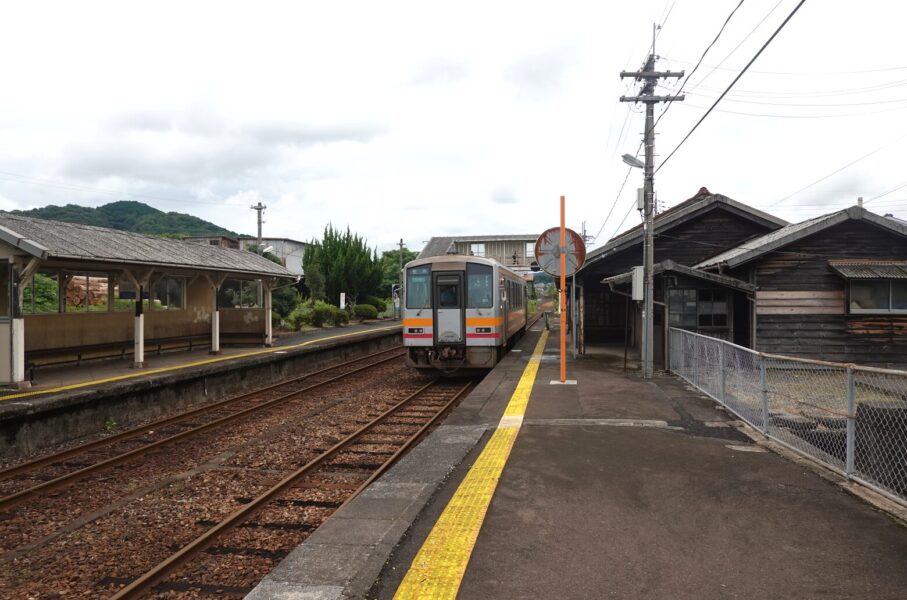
(649, 77)
(260, 208)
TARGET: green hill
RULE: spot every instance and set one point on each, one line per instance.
(128, 215)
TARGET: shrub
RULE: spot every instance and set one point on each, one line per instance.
(338, 316)
(365, 311)
(299, 316)
(379, 304)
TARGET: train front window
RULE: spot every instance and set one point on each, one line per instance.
(448, 295)
(418, 287)
(479, 286)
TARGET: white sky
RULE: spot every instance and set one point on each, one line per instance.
(415, 119)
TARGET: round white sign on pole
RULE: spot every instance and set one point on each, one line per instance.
(548, 251)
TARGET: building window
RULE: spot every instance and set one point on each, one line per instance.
(697, 308)
(170, 293)
(530, 250)
(477, 249)
(42, 294)
(124, 296)
(86, 292)
(878, 295)
(239, 293)
(712, 308)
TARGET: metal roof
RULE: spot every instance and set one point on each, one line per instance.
(870, 269)
(671, 266)
(677, 215)
(56, 239)
(787, 235)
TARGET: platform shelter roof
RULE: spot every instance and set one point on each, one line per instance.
(47, 240)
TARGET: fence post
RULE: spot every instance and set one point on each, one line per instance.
(762, 383)
(721, 392)
(851, 422)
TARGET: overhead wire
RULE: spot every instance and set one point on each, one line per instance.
(701, 58)
(839, 169)
(736, 79)
(737, 47)
(799, 116)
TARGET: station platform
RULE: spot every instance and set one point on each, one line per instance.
(614, 487)
(54, 379)
(69, 401)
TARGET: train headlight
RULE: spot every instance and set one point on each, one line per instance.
(414, 330)
(483, 329)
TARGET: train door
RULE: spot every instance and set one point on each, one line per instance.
(448, 303)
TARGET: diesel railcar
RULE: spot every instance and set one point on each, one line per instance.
(461, 312)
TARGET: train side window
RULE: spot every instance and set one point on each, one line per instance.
(418, 287)
(479, 286)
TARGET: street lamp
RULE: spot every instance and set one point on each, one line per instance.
(648, 254)
(631, 160)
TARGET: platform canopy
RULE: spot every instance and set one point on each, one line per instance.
(46, 240)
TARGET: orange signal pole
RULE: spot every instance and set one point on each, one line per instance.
(563, 296)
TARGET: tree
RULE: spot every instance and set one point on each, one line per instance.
(390, 267)
(346, 264)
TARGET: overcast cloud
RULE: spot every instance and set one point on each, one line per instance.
(411, 120)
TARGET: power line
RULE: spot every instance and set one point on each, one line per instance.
(736, 79)
(894, 189)
(737, 47)
(838, 170)
(862, 113)
(617, 198)
(813, 94)
(701, 58)
(813, 104)
(802, 73)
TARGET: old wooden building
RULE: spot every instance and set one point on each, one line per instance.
(832, 288)
(685, 235)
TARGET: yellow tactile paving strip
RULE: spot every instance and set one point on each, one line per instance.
(438, 568)
(207, 361)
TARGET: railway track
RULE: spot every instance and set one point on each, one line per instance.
(94, 457)
(156, 488)
(406, 420)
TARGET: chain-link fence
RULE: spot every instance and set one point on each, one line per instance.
(852, 419)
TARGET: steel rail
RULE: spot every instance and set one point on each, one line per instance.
(406, 446)
(130, 433)
(154, 576)
(17, 498)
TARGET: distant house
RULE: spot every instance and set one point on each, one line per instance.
(221, 241)
(289, 251)
(517, 252)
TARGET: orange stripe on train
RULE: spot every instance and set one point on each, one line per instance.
(484, 321)
(417, 322)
